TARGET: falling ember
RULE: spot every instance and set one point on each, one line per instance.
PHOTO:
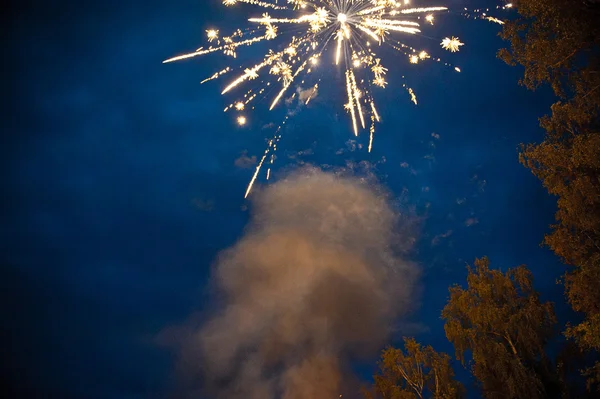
(312, 93)
(241, 120)
(371, 134)
(413, 96)
(495, 20)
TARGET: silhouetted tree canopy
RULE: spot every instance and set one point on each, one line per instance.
(558, 43)
(501, 322)
(417, 372)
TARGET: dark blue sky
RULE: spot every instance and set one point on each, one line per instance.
(120, 186)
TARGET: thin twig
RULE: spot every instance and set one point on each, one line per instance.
(564, 59)
(590, 92)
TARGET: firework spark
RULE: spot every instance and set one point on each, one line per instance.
(452, 44)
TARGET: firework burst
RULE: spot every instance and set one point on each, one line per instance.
(353, 29)
(345, 34)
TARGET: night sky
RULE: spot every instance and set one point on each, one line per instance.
(121, 185)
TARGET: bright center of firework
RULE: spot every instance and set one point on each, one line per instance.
(342, 18)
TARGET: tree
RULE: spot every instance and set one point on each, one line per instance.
(417, 372)
(500, 320)
(558, 43)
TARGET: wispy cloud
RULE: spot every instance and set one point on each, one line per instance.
(437, 238)
(203, 204)
(471, 221)
(244, 161)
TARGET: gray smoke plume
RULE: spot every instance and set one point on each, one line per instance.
(316, 280)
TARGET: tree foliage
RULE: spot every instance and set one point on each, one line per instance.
(417, 372)
(501, 322)
(498, 324)
(558, 43)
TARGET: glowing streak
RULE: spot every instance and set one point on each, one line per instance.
(371, 132)
(397, 26)
(422, 9)
(369, 32)
(413, 96)
(382, 22)
(266, 19)
(248, 74)
(251, 73)
(311, 94)
(350, 104)
(257, 170)
(374, 111)
(285, 86)
(255, 3)
(356, 99)
(340, 38)
(213, 49)
(496, 20)
(370, 10)
(216, 75)
(346, 31)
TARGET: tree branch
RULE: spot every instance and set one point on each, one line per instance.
(590, 92)
(564, 59)
(412, 384)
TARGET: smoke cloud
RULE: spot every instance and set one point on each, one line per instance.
(315, 282)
